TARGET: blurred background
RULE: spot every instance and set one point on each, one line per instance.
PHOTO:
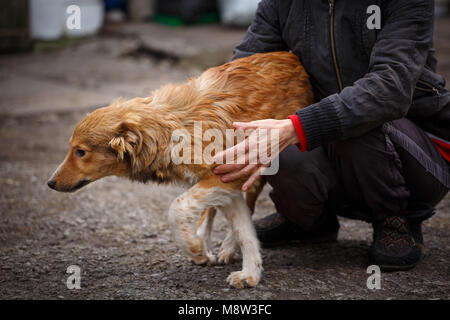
(124, 47)
(51, 75)
(133, 45)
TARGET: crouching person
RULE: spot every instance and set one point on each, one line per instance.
(375, 145)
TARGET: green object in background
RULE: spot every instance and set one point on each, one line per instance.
(186, 12)
(169, 20)
(212, 17)
(176, 21)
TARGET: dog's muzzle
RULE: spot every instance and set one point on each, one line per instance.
(51, 184)
(80, 184)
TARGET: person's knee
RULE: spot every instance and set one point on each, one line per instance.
(357, 149)
(297, 167)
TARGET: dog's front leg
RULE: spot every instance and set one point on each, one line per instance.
(229, 250)
(184, 213)
(238, 214)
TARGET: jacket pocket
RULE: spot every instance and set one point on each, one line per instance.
(430, 95)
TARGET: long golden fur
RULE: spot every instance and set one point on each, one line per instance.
(133, 139)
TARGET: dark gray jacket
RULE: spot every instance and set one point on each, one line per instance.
(362, 78)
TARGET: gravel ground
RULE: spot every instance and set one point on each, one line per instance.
(116, 231)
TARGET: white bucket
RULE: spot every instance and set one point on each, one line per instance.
(238, 12)
(48, 18)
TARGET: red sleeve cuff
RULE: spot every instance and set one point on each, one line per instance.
(300, 133)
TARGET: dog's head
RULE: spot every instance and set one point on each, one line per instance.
(109, 141)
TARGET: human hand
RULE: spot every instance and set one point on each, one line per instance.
(249, 163)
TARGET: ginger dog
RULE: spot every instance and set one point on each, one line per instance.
(133, 139)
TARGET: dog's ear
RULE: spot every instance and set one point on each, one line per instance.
(134, 143)
(129, 139)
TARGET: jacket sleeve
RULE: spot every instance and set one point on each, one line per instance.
(385, 92)
(264, 34)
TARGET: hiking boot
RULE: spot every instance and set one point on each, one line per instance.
(398, 241)
(418, 213)
(396, 245)
(275, 230)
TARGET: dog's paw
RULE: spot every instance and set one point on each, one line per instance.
(212, 260)
(226, 256)
(239, 279)
(199, 260)
(205, 258)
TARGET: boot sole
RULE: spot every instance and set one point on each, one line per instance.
(390, 268)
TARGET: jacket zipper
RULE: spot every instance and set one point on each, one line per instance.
(428, 87)
(333, 49)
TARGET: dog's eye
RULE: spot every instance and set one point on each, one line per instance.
(80, 153)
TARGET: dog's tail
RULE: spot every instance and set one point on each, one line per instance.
(252, 194)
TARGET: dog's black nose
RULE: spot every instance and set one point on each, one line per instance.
(51, 184)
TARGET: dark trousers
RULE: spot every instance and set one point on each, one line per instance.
(368, 178)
